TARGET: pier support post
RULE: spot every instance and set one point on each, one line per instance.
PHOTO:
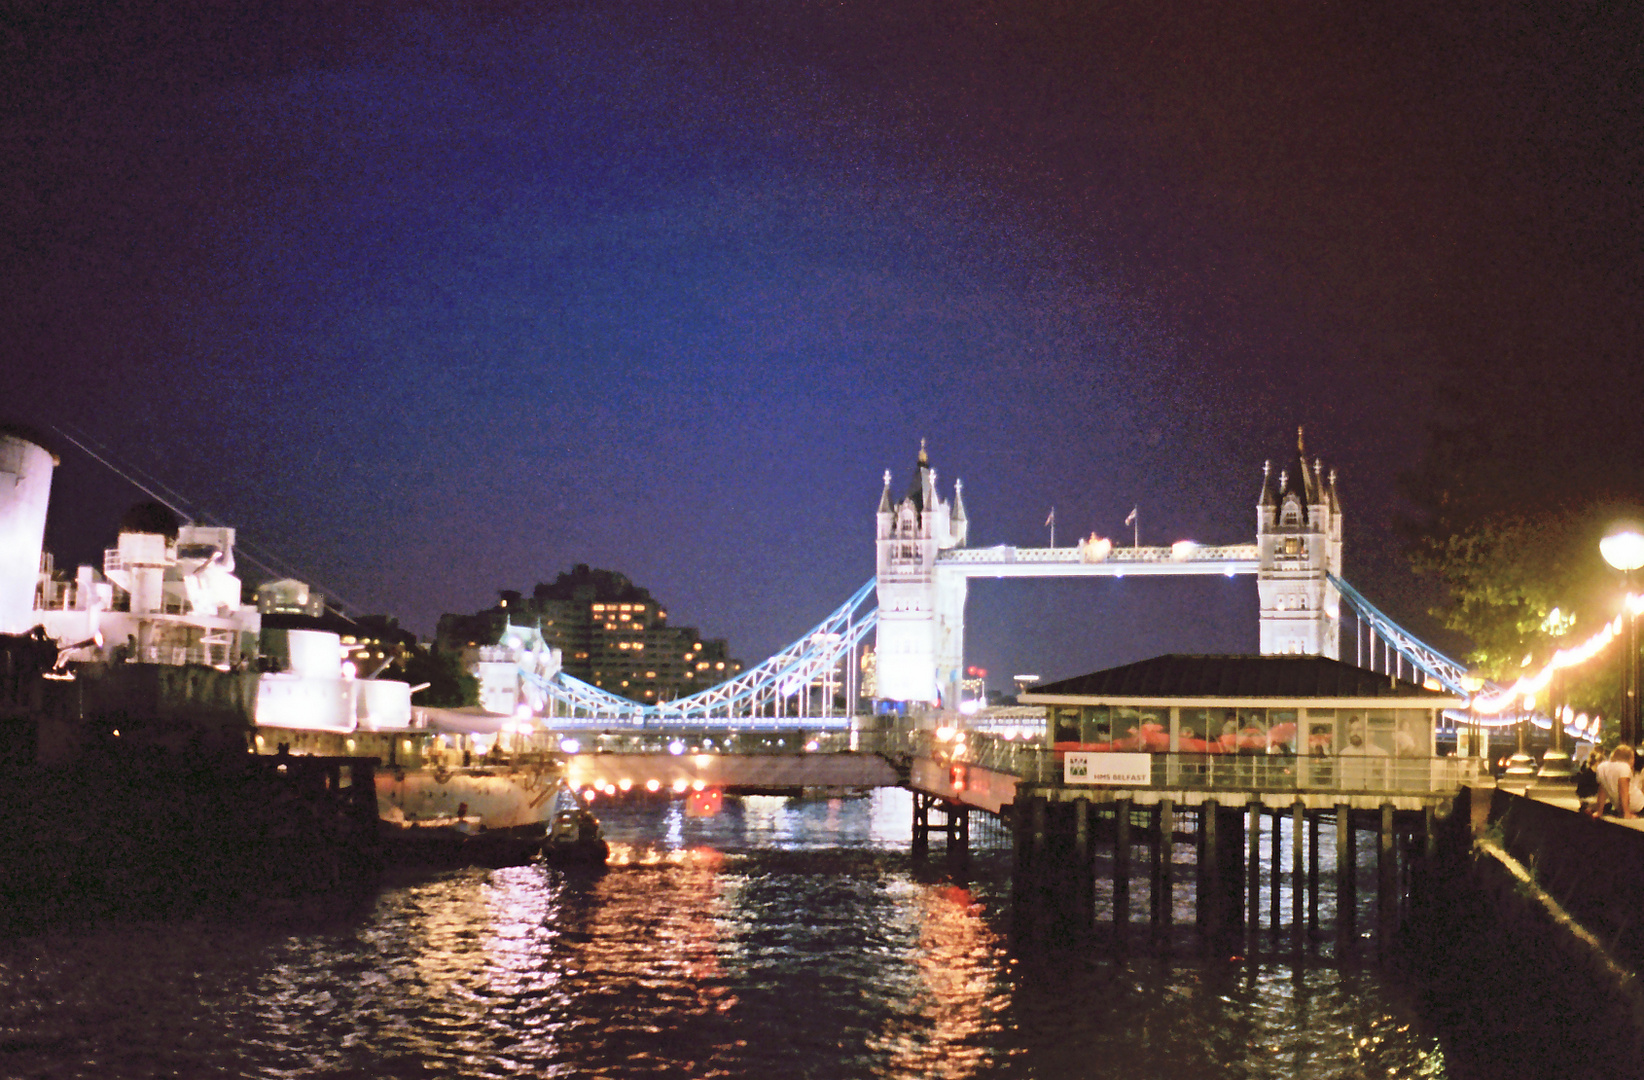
(1275, 875)
(921, 823)
(1344, 872)
(1207, 898)
(1313, 874)
(1253, 883)
(1037, 808)
(1298, 885)
(1082, 884)
(1121, 865)
(1387, 874)
(1022, 849)
(1164, 879)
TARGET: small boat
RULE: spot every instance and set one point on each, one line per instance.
(574, 836)
(463, 843)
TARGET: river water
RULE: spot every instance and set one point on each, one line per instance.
(779, 938)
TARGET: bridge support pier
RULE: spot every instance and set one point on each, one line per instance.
(954, 826)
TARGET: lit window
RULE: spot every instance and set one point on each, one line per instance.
(650, 674)
(639, 607)
(720, 666)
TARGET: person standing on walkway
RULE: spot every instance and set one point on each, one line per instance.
(1617, 786)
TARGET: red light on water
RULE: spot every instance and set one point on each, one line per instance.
(704, 803)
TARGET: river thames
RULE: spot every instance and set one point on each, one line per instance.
(779, 938)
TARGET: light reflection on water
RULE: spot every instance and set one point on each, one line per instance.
(780, 938)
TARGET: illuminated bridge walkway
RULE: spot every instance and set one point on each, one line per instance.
(915, 607)
(796, 688)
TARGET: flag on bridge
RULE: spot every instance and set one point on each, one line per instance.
(1051, 520)
(1131, 519)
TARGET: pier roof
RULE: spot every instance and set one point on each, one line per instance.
(1182, 676)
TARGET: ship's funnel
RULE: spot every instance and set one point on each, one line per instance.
(25, 488)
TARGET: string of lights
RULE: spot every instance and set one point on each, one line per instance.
(1524, 691)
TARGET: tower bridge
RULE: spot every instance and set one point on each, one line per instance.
(924, 566)
(915, 608)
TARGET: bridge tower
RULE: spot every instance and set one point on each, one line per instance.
(921, 633)
(1298, 532)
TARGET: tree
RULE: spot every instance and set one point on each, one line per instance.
(1520, 479)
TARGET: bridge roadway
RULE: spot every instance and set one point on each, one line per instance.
(986, 772)
(1187, 557)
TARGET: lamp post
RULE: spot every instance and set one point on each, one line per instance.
(1624, 550)
(1555, 763)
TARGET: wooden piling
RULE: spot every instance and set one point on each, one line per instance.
(1121, 865)
(1164, 845)
(1208, 895)
(1253, 885)
(1083, 885)
(1298, 886)
(1387, 873)
(1274, 873)
(1313, 873)
(1344, 871)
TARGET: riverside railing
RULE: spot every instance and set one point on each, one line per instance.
(1222, 772)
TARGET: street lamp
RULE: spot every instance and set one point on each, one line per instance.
(1624, 550)
(1555, 763)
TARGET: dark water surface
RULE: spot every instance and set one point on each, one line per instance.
(782, 938)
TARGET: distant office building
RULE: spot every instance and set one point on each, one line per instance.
(610, 633)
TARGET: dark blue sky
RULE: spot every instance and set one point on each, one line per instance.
(432, 300)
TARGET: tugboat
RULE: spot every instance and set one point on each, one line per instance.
(574, 837)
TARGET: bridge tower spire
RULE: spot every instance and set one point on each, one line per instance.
(1298, 532)
(918, 654)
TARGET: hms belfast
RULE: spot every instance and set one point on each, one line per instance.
(155, 658)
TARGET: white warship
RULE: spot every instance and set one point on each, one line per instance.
(167, 652)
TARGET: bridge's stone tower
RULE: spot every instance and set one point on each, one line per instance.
(921, 613)
(922, 578)
(1298, 532)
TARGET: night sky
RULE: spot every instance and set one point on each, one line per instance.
(432, 300)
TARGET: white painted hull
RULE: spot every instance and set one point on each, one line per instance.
(496, 798)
